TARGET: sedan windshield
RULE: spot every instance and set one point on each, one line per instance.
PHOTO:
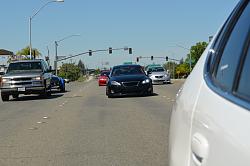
(106, 73)
(127, 70)
(24, 66)
(156, 69)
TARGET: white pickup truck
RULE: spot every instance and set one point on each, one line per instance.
(26, 77)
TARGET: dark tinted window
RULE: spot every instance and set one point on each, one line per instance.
(244, 83)
(158, 69)
(127, 70)
(230, 57)
(45, 65)
(25, 66)
(105, 73)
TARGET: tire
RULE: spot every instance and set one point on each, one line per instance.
(108, 93)
(150, 93)
(5, 97)
(46, 93)
(62, 88)
(15, 96)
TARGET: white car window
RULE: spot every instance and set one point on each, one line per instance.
(244, 82)
(230, 57)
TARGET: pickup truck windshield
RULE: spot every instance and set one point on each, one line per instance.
(25, 66)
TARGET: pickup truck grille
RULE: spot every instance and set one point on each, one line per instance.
(22, 83)
(21, 79)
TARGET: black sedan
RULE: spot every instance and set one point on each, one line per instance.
(128, 80)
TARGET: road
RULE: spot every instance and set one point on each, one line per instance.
(84, 127)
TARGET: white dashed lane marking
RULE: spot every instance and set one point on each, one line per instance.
(40, 122)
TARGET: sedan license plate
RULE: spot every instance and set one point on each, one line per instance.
(21, 89)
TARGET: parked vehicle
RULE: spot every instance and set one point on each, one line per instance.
(128, 80)
(211, 117)
(58, 83)
(103, 78)
(26, 77)
(158, 74)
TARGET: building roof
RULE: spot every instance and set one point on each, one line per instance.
(5, 52)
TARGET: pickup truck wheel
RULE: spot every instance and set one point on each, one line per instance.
(46, 93)
(5, 97)
(15, 96)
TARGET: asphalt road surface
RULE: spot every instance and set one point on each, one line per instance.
(84, 127)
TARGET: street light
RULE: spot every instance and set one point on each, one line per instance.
(56, 45)
(30, 19)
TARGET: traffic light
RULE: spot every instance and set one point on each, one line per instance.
(90, 52)
(152, 58)
(130, 50)
(137, 59)
(166, 58)
(110, 50)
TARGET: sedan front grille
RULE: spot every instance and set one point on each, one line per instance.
(158, 76)
(130, 84)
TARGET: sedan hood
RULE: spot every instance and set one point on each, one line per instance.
(127, 78)
(158, 73)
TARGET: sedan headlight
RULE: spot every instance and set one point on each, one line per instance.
(115, 83)
(165, 75)
(146, 81)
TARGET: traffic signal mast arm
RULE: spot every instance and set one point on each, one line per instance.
(159, 57)
(90, 52)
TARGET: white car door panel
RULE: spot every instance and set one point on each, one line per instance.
(220, 133)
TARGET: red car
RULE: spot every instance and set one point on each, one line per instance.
(102, 79)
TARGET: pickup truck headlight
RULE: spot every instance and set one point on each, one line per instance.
(37, 78)
(146, 81)
(4, 80)
(115, 83)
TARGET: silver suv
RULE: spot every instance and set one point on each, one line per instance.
(26, 77)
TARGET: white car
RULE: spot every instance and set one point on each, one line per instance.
(210, 122)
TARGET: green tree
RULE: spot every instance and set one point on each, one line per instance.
(182, 70)
(170, 67)
(196, 52)
(97, 71)
(26, 52)
(70, 71)
(81, 67)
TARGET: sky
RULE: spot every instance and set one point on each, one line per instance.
(150, 27)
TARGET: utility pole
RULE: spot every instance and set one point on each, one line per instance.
(56, 57)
